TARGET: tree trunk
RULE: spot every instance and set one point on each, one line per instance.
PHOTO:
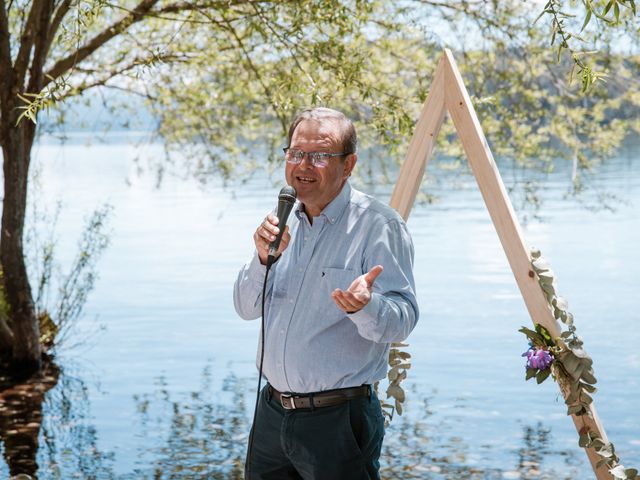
(16, 149)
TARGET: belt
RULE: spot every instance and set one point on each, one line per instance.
(328, 398)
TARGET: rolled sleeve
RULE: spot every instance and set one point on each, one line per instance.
(392, 312)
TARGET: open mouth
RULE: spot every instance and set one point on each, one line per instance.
(305, 180)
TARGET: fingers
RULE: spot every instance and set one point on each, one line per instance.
(267, 230)
(372, 274)
(266, 233)
(269, 227)
(349, 302)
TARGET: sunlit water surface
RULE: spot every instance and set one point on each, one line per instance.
(166, 389)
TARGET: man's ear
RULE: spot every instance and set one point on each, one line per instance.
(349, 164)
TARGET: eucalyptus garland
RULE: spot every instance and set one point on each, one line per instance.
(565, 359)
(398, 366)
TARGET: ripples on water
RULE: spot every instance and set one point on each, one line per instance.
(167, 390)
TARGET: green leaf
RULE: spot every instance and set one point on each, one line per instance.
(546, 276)
(561, 303)
(618, 472)
(540, 265)
(607, 450)
(584, 440)
(527, 331)
(588, 377)
(569, 361)
(544, 333)
(535, 253)
(531, 372)
(631, 473)
(574, 409)
(572, 397)
(543, 375)
(548, 289)
(581, 354)
(569, 319)
(396, 392)
(399, 407)
(607, 8)
(535, 337)
(586, 399)
(586, 20)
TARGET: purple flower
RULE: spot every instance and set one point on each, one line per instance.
(538, 358)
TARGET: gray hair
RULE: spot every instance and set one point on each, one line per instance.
(320, 114)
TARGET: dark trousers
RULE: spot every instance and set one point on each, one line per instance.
(332, 443)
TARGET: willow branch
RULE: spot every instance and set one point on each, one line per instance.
(64, 65)
(256, 72)
(100, 82)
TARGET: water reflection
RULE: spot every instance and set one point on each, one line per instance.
(21, 404)
(203, 434)
(206, 440)
(69, 447)
(418, 448)
(45, 429)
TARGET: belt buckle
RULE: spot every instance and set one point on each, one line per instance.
(291, 404)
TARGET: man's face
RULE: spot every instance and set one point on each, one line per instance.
(316, 186)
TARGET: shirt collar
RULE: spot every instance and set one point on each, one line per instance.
(335, 208)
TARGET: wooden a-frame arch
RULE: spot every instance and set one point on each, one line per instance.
(448, 93)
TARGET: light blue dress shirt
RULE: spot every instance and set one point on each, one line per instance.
(310, 344)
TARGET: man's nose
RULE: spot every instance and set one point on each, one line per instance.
(306, 162)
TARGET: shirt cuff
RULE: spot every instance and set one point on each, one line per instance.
(366, 319)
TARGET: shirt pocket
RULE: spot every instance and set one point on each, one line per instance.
(332, 278)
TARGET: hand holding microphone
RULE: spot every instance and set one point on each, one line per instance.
(272, 236)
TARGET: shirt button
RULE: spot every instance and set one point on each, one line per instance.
(281, 331)
(306, 238)
(300, 269)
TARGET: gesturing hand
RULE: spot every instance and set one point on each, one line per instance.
(266, 233)
(359, 292)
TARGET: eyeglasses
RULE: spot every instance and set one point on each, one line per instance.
(317, 159)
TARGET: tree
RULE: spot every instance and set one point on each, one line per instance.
(224, 77)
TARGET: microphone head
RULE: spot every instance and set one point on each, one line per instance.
(288, 194)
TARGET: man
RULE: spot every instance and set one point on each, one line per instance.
(340, 291)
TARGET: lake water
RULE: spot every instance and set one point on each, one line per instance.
(166, 388)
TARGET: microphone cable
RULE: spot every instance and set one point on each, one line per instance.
(262, 329)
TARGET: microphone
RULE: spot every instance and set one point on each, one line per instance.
(286, 199)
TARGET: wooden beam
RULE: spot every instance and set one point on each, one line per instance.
(506, 224)
(421, 146)
(448, 93)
